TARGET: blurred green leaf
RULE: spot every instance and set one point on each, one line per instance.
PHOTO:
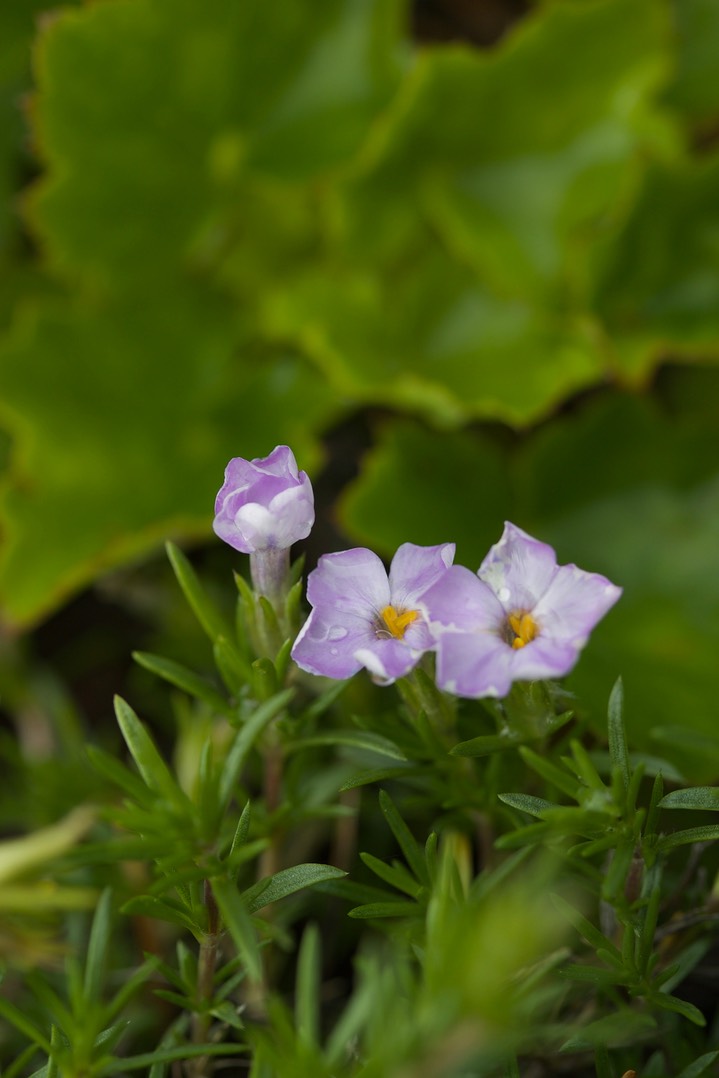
(694, 87)
(181, 677)
(192, 99)
(425, 487)
(128, 439)
(659, 290)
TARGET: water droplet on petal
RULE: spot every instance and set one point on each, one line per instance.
(333, 651)
(337, 633)
(503, 595)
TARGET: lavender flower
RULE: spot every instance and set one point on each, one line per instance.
(362, 618)
(264, 504)
(521, 618)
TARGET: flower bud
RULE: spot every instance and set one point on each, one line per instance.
(264, 504)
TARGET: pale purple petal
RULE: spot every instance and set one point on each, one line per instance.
(519, 569)
(573, 604)
(281, 461)
(474, 664)
(461, 601)
(544, 657)
(329, 640)
(387, 660)
(353, 581)
(416, 568)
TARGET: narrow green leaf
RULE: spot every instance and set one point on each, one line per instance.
(617, 870)
(307, 987)
(597, 975)
(650, 824)
(699, 1066)
(585, 928)
(264, 679)
(617, 735)
(170, 1055)
(150, 764)
(236, 917)
(226, 1012)
(584, 766)
(487, 744)
(685, 963)
(685, 838)
(613, 1030)
(16, 1018)
(18, 1065)
(282, 661)
(231, 665)
(525, 836)
(395, 876)
(119, 775)
(157, 910)
(650, 918)
(679, 1006)
(407, 842)
(534, 806)
(245, 739)
(131, 985)
(181, 678)
(97, 949)
(242, 830)
(208, 616)
(549, 771)
(384, 909)
(376, 774)
(356, 739)
(286, 882)
(696, 797)
(326, 699)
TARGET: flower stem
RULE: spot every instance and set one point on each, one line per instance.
(270, 572)
(207, 960)
(420, 693)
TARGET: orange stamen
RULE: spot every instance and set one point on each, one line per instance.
(524, 628)
(396, 622)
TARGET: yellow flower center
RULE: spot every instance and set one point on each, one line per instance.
(397, 622)
(524, 629)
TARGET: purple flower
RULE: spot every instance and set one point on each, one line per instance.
(361, 617)
(264, 504)
(521, 618)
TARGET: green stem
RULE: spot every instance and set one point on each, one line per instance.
(202, 1067)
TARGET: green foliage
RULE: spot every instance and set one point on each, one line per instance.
(260, 224)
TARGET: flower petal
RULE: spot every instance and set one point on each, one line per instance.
(573, 604)
(387, 660)
(459, 600)
(519, 569)
(328, 642)
(416, 568)
(281, 461)
(544, 657)
(352, 581)
(473, 664)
